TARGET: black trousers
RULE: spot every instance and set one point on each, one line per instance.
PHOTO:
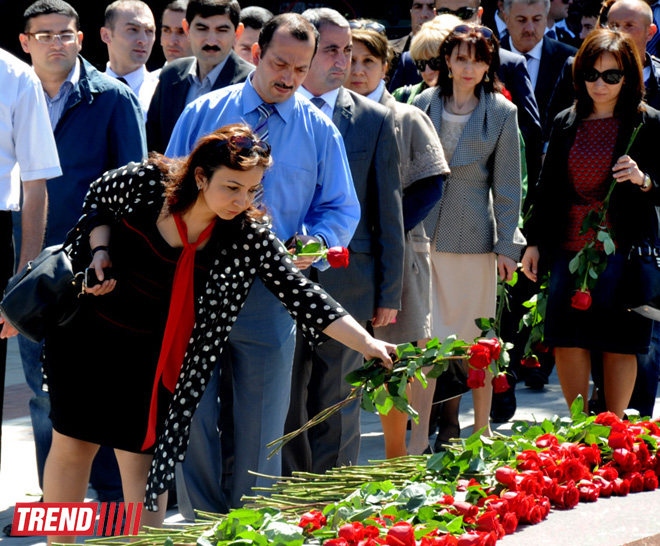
(6, 271)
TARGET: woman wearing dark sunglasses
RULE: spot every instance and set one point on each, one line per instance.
(474, 230)
(585, 152)
(185, 243)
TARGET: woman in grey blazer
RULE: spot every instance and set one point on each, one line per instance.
(474, 227)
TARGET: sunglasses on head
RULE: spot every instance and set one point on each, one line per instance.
(372, 25)
(467, 29)
(464, 13)
(433, 64)
(247, 144)
(610, 77)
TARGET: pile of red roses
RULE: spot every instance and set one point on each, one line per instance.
(557, 475)
(480, 356)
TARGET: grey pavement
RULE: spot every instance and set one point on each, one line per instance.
(608, 522)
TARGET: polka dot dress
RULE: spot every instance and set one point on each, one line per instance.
(590, 172)
(244, 250)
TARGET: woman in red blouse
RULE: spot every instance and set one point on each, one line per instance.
(586, 151)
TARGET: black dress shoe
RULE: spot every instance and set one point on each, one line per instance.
(536, 380)
(503, 406)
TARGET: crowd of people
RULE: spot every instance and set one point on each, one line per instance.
(441, 160)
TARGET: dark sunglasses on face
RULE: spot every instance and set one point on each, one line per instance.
(246, 144)
(464, 13)
(373, 25)
(610, 77)
(433, 64)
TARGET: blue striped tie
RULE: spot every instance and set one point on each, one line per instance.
(261, 129)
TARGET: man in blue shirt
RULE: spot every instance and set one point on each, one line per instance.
(98, 125)
(308, 190)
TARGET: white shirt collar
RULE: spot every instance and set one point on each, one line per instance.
(330, 99)
(133, 79)
(534, 53)
(377, 93)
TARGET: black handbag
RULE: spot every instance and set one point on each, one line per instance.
(641, 280)
(45, 292)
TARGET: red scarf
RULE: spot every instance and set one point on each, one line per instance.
(179, 326)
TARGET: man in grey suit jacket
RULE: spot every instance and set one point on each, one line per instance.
(212, 27)
(370, 288)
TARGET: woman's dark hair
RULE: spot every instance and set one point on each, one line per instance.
(222, 148)
(375, 42)
(483, 45)
(625, 53)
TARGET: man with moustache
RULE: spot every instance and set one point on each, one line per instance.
(308, 190)
(526, 21)
(212, 27)
(370, 287)
(173, 38)
(129, 32)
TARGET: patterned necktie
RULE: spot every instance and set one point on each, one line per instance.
(261, 129)
(318, 102)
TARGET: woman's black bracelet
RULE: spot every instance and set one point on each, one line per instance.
(98, 248)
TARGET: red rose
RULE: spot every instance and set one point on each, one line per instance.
(506, 475)
(311, 521)
(510, 523)
(546, 440)
(371, 531)
(336, 542)
(588, 491)
(534, 515)
(465, 509)
(581, 299)
(500, 383)
(479, 356)
(607, 418)
(627, 460)
(591, 454)
(605, 488)
(530, 362)
(493, 345)
(607, 472)
(619, 440)
(621, 487)
(476, 378)
(352, 532)
(636, 481)
(475, 538)
(650, 481)
(573, 469)
(337, 256)
(447, 499)
(401, 534)
(538, 347)
(528, 460)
